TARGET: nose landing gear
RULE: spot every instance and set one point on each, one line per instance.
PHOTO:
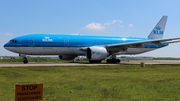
(25, 61)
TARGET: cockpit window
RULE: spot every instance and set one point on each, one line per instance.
(13, 41)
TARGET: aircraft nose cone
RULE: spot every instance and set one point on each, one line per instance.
(5, 45)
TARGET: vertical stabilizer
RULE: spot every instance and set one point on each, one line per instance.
(158, 31)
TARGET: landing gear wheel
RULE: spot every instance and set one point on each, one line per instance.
(25, 61)
(94, 61)
(113, 61)
(118, 60)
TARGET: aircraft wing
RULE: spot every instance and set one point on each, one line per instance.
(139, 44)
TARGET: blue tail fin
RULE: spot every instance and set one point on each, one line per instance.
(158, 31)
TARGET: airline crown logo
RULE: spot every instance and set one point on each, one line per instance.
(158, 30)
(47, 39)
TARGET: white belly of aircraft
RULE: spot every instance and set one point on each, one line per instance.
(69, 50)
(47, 50)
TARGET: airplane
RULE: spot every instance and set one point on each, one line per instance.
(95, 48)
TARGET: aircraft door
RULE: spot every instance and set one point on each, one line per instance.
(31, 42)
(66, 42)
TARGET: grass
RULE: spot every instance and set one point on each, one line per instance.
(39, 60)
(96, 83)
(15, 60)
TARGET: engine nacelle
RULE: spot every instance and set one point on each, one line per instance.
(96, 53)
(66, 57)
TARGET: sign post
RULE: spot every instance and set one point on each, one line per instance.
(29, 92)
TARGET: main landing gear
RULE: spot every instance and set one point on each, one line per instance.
(113, 59)
(94, 61)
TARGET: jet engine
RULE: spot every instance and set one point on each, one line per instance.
(67, 57)
(96, 53)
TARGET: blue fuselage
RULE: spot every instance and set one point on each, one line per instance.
(55, 44)
(59, 40)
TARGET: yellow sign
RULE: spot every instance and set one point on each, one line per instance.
(29, 92)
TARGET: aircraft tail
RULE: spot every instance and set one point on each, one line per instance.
(158, 31)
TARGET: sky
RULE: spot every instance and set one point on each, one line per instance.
(131, 18)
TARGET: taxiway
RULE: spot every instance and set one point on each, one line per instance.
(87, 64)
